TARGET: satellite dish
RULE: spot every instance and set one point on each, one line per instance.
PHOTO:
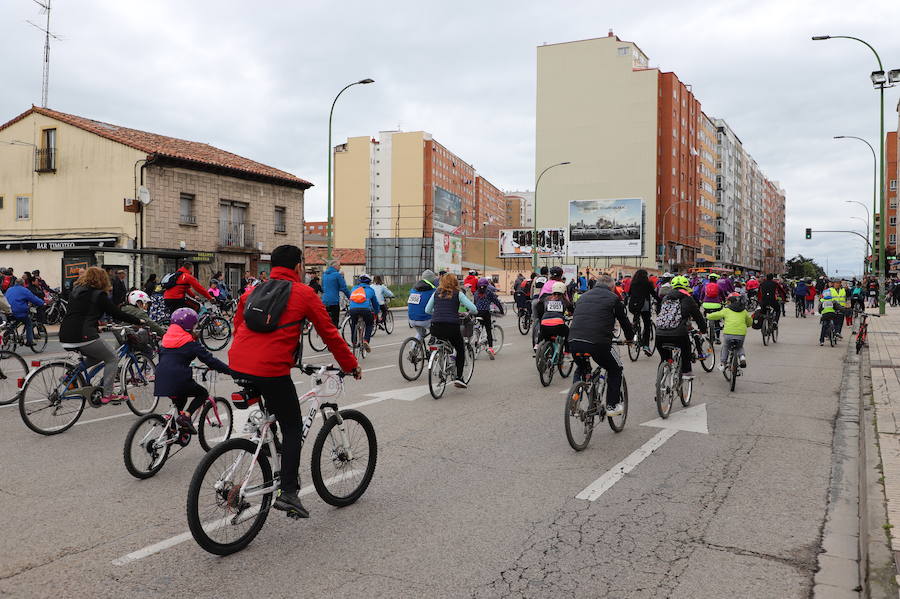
(143, 195)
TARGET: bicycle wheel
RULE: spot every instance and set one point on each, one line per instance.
(220, 520)
(316, 343)
(735, 369)
(579, 416)
(388, 322)
(216, 423)
(51, 401)
(497, 332)
(412, 358)
(9, 339)
(360, 349)
(686, 392)
(343, 464)
(709, 351)
(524, 324)
(773, 332)
(215, 333)
(347, 331)
(663, 388)
(13, 368)
(137, 378)
(765, 331)
(617, 423)
(146, 449)
(469, 366)
(544, 362)
(634, 350)
(860, 341)
(832, 335)
(437, 373)
(566, 363)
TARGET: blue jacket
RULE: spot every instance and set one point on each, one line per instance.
(371, 302)
(418, 299)
(20, 299)
(800, 289)
(333, 285)
(178, 349)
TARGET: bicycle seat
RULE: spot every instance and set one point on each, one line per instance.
(669, 346)
(247, 396)
(733, 343)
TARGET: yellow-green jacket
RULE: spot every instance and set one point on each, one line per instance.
(832, 297)
(736, 323)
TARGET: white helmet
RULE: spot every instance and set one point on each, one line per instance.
(558, 287)
(138, 296)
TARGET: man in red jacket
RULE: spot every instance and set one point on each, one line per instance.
(176, 296)
(265, 359)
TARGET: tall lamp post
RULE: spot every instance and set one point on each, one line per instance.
(868, 233)
(329, 227)
(666, 214)
(868, 220)
(874, 172)
(534, 236)
(880, 81)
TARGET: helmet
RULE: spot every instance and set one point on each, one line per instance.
(680, 282)
(539, 282)
(713, 276)
(185, 318)
(473, 272)
(483, 282)
(365, 278)
(668, 275)
(734, 295)
(138, 296)
(558, 287)
(556, 271)
(736, 302)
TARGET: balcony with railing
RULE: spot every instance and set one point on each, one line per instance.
(45, 160)
(188, 219)
(280, 228)
(237, 235)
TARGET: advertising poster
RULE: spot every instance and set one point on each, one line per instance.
(516, 243)
(447, 211)
(605, 227)
(447, 253)
(570, 271)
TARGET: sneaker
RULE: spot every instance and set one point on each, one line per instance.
(821, 343)
(646, 349)
(184, 423)
(721, 368)
(366, 346)
(838, 335)
(491, 353)
(290, 503)
(113, 399)
(616, 410)
(461, 384)
(743, 362)
(687, 376)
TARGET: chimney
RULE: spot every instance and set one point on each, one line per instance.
(611, 34)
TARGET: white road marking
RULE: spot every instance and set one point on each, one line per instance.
(104, 418)
(185, 536)
(692, 420)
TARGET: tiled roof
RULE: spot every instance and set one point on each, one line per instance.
(163, 146)
(316, 256)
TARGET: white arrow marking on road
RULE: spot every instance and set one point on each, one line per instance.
(403, 394)
(691, 420)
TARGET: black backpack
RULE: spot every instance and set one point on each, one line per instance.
(170, 280)
(266, 303)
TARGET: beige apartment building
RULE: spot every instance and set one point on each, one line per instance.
(71, 191)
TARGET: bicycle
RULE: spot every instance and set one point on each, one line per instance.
(669, 382)
(232, 489)
(550, 355)
(213, 330)
(57, 307)
(13, 371)
(359, 346)
(442, 366)
(316, 343)
(769, 327)
(14, 334)
(414, 355)
(586, 403)
(732, 363)
(703, 350)
(54, 395)
(157, 433)
(862, 335)
(635, 349)
(799, 308)
(479, 334)
(385, 322)
(524, 320)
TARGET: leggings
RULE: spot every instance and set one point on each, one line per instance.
(98, 351)
(607, 357)
(645, 327)
(195, 390)
(485, 316)
(449, 331)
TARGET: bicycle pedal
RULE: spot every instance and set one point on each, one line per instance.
(293, 515)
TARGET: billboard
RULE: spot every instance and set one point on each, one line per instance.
(447, 253)
(516, 243)
(447, 211)
(606, 227)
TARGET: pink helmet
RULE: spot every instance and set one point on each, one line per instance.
(185, 318)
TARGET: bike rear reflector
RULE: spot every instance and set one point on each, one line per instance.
(432, 347)
(20, 382)
(35, 363)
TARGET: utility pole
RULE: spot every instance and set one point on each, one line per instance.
(45, 75)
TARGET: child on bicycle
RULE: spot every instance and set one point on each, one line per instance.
(174, 377)
(551, 311)
(483, 297)
(737, 319)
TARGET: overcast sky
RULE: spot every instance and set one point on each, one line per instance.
(258, 78)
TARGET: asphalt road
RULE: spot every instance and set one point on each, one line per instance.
(474, 495)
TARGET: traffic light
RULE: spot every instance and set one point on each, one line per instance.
(809, 233)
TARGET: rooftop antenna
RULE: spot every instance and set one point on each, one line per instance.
(45, 81)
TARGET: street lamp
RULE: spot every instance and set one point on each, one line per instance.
(868, 218)
(866, 249)
(666, 214)
(329, 227)
(534, 236)
(880, 82)
(483, 249)
(874, 172)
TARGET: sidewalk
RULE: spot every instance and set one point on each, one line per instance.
(884, 357)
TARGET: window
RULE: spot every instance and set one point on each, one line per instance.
(893, 184)
(892, 221)
(893, 202)
(187, 216)
(280, 219)
(623, 51)
(23, 208)
(45, 156)
(892, 239)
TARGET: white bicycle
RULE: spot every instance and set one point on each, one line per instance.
(233, 487)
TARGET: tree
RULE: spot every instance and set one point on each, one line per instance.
(800, 267)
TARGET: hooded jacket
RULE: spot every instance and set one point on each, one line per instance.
(86, 306)
(689, 309)
(21, 299)
(333, 285)
(596, 313)
(176, 352)
(418, 299)
(185, 283)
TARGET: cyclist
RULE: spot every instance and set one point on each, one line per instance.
(333, 285)
(800, 291)
(665, 285)
(810, 296)
(20, 301)
(174, 379)
(418, 299)
(138, 302)
(471, 280)
(536, 288)
(483, 297)
(672, 323)
(769, 293)
(552, 310)
(858, 296)
(363, 304)
(782, 293)
(177, 292)
(444, 306)
(382, 293)
(591, 333)
(270, 369)
(711, 301)
(751, 287)
(88, 302)
(737, 319)
(833, 299)
(641, 297)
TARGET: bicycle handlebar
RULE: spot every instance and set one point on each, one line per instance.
(311, 369)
